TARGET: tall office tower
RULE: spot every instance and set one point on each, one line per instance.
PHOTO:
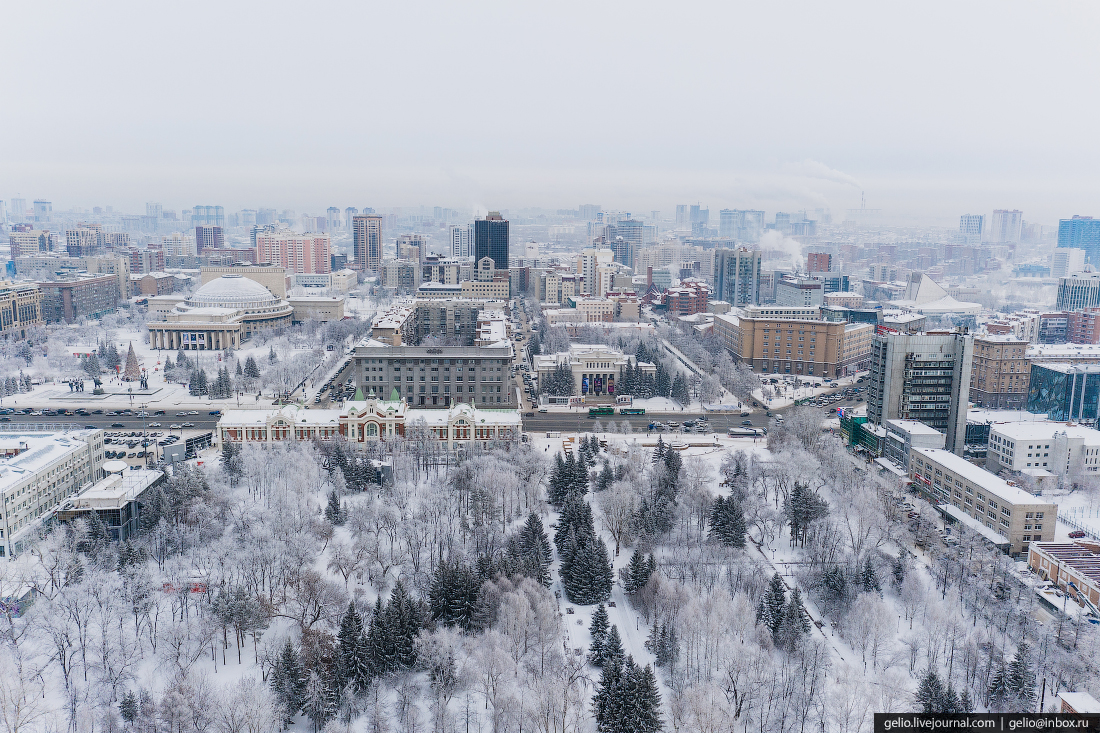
(153, 210)
(348, 213)
(743, 224)
(700, 216)
(1066, 260)
(366, 235)
(588, 212)
(265, 217)
(208, 216)
(18, 211)
(1081, 232)
(43, 212)
(737, 276)
(462, 238)
(970, 229)
(819, 262)
(682, 219)
(923, 377)
(491, 239)
(3, 212)
(332, 216)
(1005, 225)
(247, 217)
(626, 239)
(209, 237)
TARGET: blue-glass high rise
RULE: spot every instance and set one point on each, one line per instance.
(491, 240)
(1081, 232)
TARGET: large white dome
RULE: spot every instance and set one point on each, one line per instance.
(232, 291)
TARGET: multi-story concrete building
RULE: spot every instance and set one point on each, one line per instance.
(37, 471)
(178, 244)
(366, 234)
(745, 224)
(299, 253)
(737, 276)
(321, 308)
(588, 261)
(449, 271)
(81, 242)
(819, 262)
(1079, 290)
(974, 496)
(1064, 353)
(428, 376)
(999, 377)
(401, 275)
(924, 377)
(902, 436)
(20, 308)
(209, 237)
(1066, 261)
(1041, 446)
(799, 291)
(84, 296)
(33, 242)
(412, 247)
(794, 340)
(687, 299)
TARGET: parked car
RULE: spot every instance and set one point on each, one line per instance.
(117, 425)
(154, 424)
(189, 425)
(175, 427)
(1076, 534)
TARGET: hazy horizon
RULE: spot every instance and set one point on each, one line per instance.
(929, 113)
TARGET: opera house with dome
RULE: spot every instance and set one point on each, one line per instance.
(220, 315)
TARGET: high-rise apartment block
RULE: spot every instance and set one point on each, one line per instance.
(367, 241)
(799, 291)
(999, 376)
(18, 213)
(43, 212)
(737, 276)
(208, 215)
(35, 241)
(81, 242)
(1005, 225)
(744, 224)
(462, 238)
(588, 262)
(923, 377)
(209, 237)
(298, 253)
(412, 247)
(491, 239)
(1081, 232)
(1066, 260)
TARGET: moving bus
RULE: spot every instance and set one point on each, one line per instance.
(598, 411)
(631, 410)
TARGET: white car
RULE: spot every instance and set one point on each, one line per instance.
(154, 424)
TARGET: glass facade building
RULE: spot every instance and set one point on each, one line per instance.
(491, 240)
(1081, 232)
(1064, 392)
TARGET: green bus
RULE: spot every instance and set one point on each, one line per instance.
(599, 411)
(631, 410)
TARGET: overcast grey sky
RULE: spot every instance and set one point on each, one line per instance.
(932, 108)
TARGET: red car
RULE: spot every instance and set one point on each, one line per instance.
(1076, 534)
